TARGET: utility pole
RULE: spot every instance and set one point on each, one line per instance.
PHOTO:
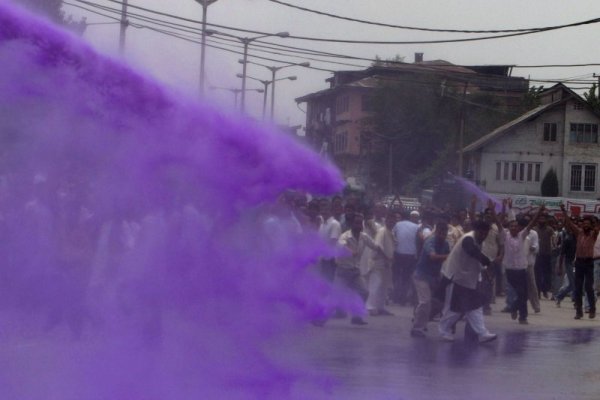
(461, 132)
(390, 166)
(204, 4)
(124, 24)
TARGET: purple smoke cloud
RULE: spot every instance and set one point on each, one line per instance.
(138, 263)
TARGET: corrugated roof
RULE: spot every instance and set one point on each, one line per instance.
(367, 83)
(506, 127)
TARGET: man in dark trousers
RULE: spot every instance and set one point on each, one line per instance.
(584, 262)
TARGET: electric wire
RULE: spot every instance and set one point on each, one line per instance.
(193, 31)
(331, 40)
(336, 16)
(292, 47)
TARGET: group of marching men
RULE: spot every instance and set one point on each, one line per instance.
(453, 265)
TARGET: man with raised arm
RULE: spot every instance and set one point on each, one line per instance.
(584, 262)
(516, 247)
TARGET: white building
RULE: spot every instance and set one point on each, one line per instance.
(561, 133)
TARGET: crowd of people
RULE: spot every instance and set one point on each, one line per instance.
(449, 265)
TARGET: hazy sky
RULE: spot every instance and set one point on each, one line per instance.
(177, 62)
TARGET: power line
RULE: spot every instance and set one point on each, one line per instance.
(558, 65)
(331, 40)
(195, 31)
(325, 54)
(362, 21)
(192, 30)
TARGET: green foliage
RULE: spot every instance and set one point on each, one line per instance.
(53, 10)
(550, 184)
(430, 175)
(592, 98)
(416, 121)
(388, 62)
(419, 117)
(532, 98)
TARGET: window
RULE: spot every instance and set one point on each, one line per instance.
(589, 178)
(578, 106)
(342, 104)
(550, 132)
(518, 171)
(583, 177)
(521, 171)
(584, 133)
(340, 142)
(367, 103)
(576, 178)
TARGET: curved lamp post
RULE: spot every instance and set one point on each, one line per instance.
(204, 4)
(246, 42)
(266, 84)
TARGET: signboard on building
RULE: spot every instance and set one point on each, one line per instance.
(576, 207)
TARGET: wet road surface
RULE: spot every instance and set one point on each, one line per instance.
(558, 358)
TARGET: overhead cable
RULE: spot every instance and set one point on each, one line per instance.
(362, 21)
(332, 40)
(118, 11)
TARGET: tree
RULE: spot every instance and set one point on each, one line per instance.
(550, 184)
(410, 123)
(417, 119)
(592, 98)
(532, 98)
(388, 62)
(53, 10)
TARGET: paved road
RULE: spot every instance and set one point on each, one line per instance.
(554, 357)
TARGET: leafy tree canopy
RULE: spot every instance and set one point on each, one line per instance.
(592, 98)
(53, 10)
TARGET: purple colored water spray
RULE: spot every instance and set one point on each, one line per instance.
(137, 263)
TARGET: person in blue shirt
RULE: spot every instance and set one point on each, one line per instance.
(427, 276)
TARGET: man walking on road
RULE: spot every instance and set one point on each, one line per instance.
(463, 269)
(584, 262)
(405, 257)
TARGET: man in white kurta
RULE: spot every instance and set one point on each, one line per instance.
(380, 267)
(463, 268)
(354, 242)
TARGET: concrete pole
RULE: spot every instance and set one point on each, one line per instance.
(124, 24)
(461, 132)
(390, 167)
(246, 42)
(203, 47)
(273, 72)
(264, 110)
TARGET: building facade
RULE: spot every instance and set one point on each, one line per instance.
(560, 134)
(337, 117)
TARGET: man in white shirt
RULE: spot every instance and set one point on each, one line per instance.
(532, 289)
(516, 249)
(330, 230)
(354, 241)
(405, 258)
(380, 267)
(462, 270)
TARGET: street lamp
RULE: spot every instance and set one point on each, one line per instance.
(246, 42)
(236, 92)
(266, 84)
(273, 73)
(204, 4)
